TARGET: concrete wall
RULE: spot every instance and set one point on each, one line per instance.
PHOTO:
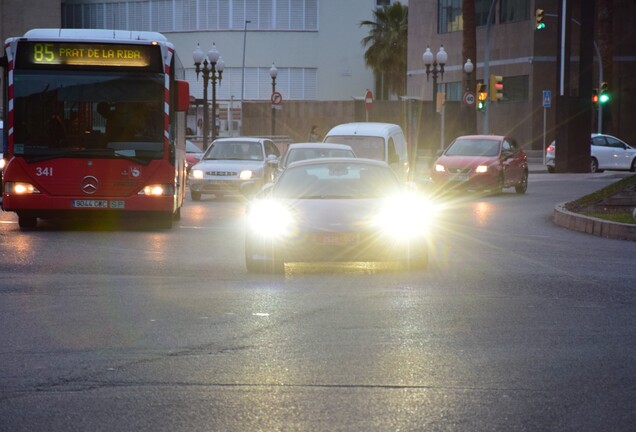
(421, 126)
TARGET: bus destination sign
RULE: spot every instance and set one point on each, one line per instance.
(87, 54)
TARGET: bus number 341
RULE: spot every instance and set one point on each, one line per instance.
(44, 171)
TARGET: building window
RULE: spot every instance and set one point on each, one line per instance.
(515, 88)
(192, 15)
(482, 7)
(453, 91)
(513, 10)
(293, 83)
(449, 16)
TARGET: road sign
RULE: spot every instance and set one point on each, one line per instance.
(368, 99)
(547, 98)
(277, 98)
(469, 99)
(441, 99)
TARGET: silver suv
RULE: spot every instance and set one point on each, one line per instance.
(230, 162)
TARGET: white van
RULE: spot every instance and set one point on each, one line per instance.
(380, 141)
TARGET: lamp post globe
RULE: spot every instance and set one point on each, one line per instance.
(428, 57)
(469, 67)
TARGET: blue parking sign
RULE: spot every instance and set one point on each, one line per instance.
(547, 98)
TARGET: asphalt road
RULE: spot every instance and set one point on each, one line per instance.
(518, 325)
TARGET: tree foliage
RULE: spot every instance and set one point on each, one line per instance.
(386, 45)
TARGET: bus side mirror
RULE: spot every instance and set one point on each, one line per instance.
(183, 95)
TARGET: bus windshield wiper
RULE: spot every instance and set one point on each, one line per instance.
(49, 156)
(131, 156)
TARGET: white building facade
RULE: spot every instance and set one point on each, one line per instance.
(315, 44)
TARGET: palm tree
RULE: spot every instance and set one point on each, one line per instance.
(386, 52)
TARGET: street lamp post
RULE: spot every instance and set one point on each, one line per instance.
(435, 66)
(273, 72)
(469, 126)
(212, 69)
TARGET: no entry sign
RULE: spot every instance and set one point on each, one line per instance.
(368, 99)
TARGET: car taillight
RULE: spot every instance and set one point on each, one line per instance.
(550, 148)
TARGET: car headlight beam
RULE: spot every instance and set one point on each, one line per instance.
(246, 174)
(270, 218)
(405, 216)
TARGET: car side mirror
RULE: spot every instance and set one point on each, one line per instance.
(272, 160)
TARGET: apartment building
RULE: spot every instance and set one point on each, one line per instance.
(526, 58)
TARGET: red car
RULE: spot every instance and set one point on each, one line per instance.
(482, 162)
(193, 154)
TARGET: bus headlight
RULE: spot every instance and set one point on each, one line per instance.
(20, 188)
(157, 190)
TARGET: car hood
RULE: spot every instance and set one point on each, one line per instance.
(465, 161)
(228, 165)
(337, 215)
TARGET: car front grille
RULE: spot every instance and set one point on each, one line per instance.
(459, 170)
(222, 173)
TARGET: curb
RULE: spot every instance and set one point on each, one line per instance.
(590, 225)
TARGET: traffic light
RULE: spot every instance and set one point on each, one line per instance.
(595, 98)
(538, 19)
(482, 95)
(604, 96)
(496, 88)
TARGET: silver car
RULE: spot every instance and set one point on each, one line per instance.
(608, 153)
(313, 150)
(230, 162)
(336, 209)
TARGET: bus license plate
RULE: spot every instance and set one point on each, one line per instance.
(90, 203)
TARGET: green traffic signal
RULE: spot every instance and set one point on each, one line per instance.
(538, 19)
(604, 96)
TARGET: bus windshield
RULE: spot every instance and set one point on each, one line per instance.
(88, 114)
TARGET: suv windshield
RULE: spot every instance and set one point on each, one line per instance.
(88, 114)
(235, 150)
(370, 147)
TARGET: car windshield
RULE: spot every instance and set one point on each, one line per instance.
(298, 154)
(473, 147)
(235, 150)
(192, 147)
(336, 180)
(370, 147)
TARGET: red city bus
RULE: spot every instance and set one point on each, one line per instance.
(94, 126)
